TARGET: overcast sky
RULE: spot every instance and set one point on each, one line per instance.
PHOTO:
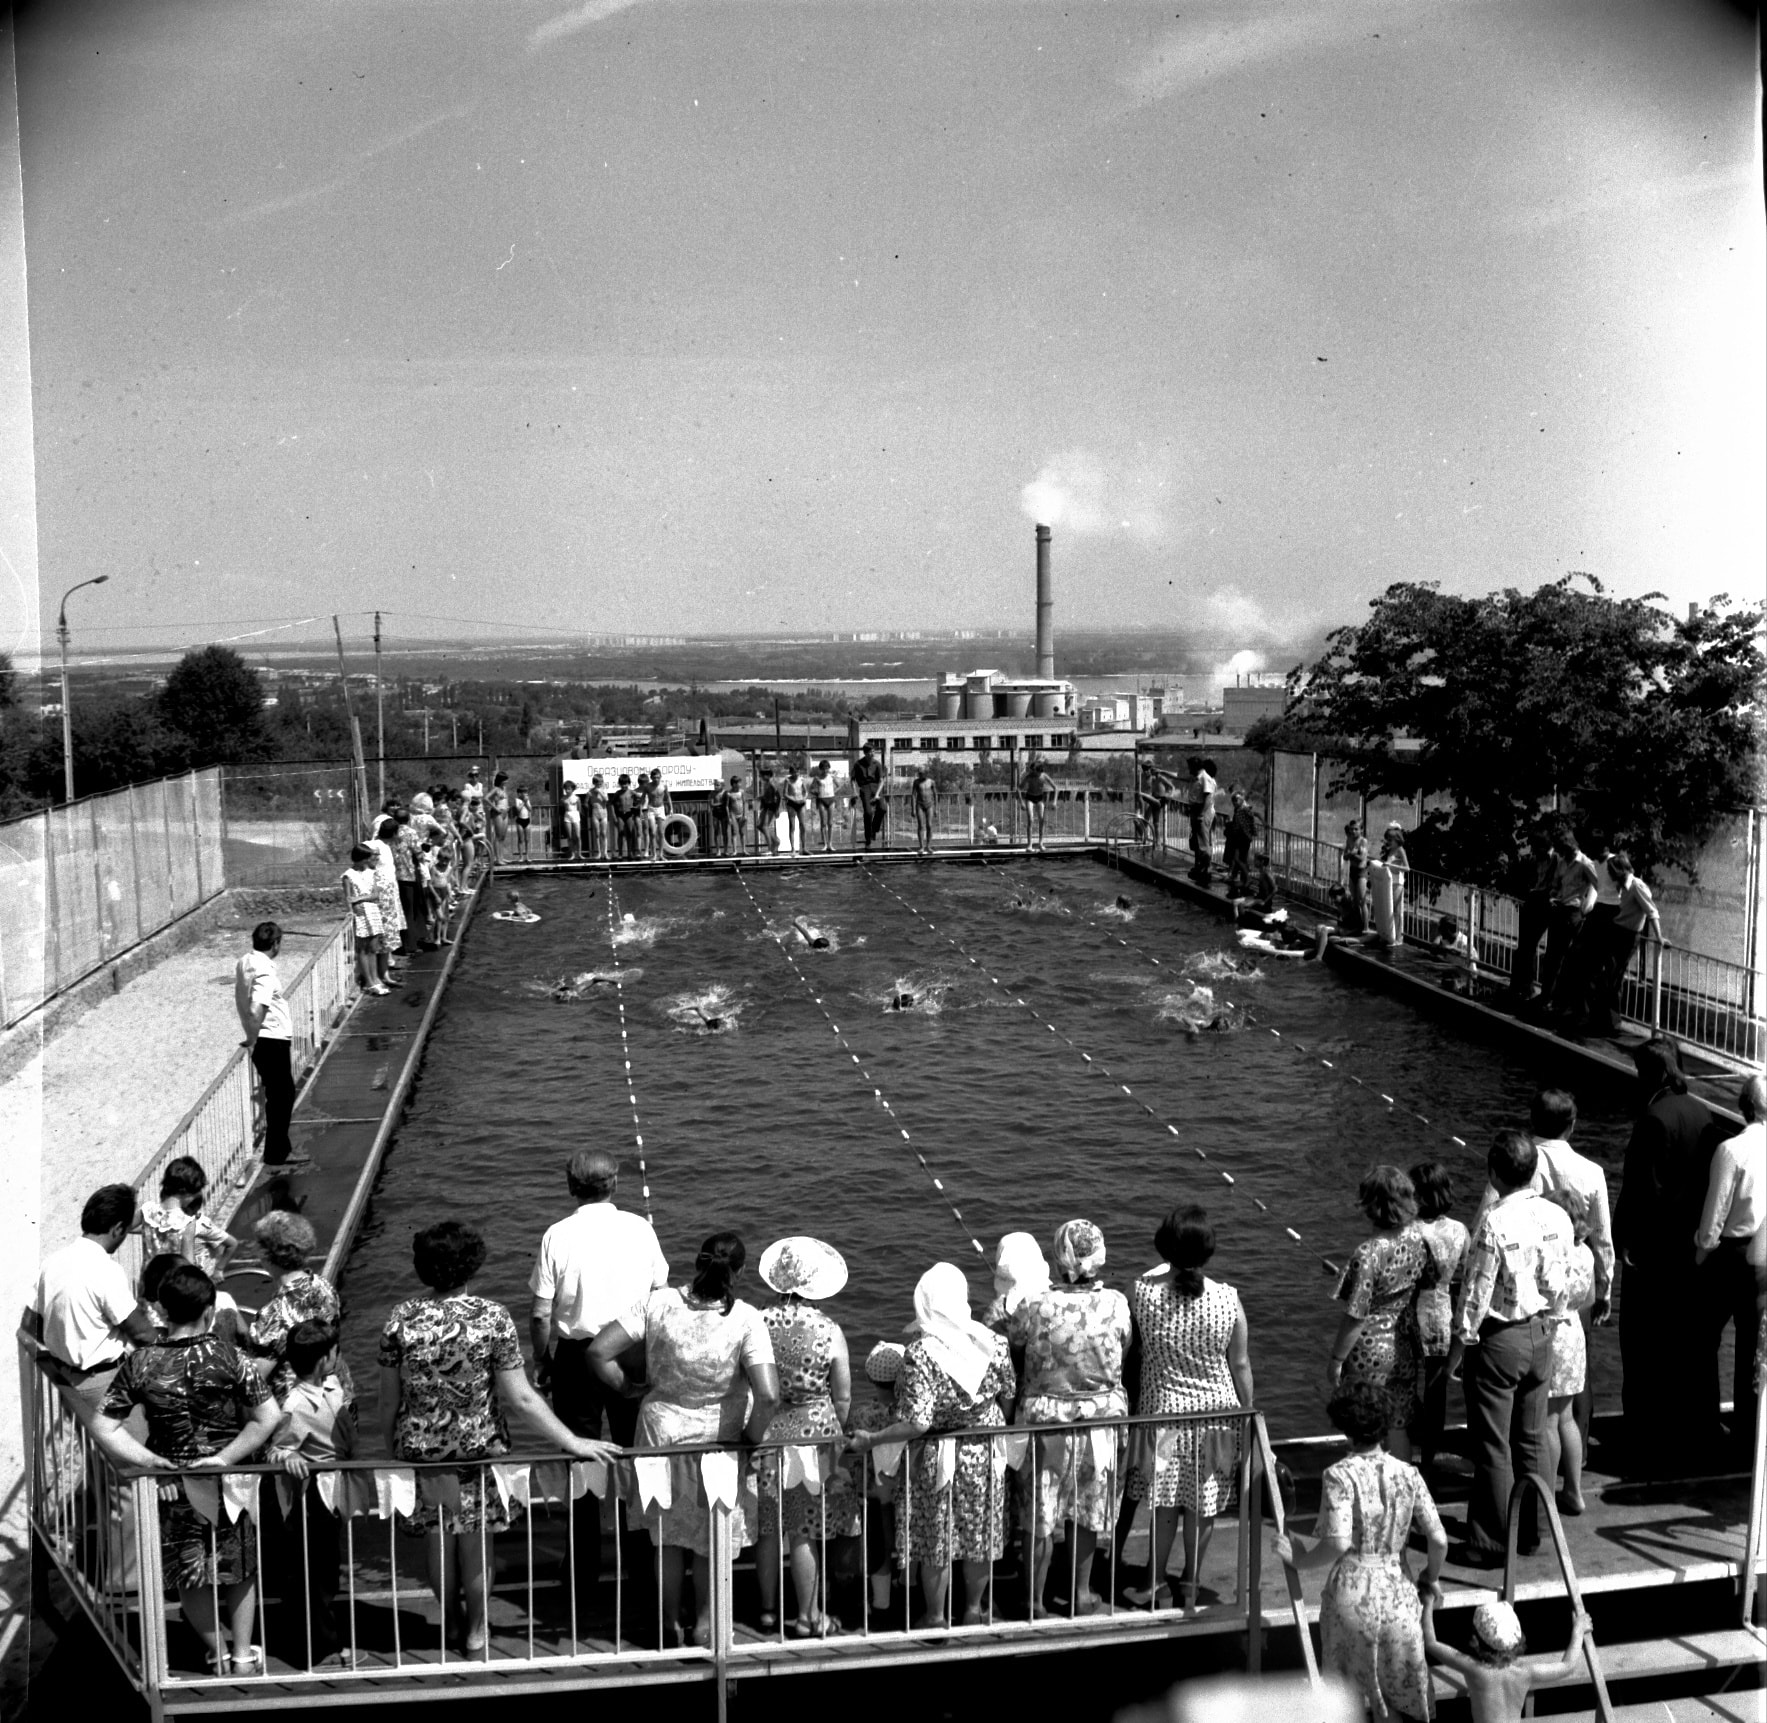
(699, 315)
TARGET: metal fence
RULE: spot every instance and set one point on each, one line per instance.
(978, 817)
(1705, 1001)
(947, 1540)
(82, 883)
(222, 1130)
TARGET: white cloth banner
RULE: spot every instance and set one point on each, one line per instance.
(887, 1456)
(806, 1466)
(655, 1486)
(395, 1492)
(235, 1493)
(1013, 1448)
(589, 1475)
(944, 1462)
(515, 1484)
(721, 1478)
(1104, 1451)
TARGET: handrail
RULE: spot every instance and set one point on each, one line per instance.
(1604, 1706)
(1296, 1597)
(1752, 1544)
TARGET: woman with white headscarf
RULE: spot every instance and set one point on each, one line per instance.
(1073, 1337)
(955, 1375)
(1019, 1273)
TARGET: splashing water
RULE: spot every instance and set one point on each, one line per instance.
(713, 1010)
(1222, 966)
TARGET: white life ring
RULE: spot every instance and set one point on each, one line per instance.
(680, 837)
(525, 917)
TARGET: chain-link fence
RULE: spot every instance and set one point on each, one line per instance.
(80, 884)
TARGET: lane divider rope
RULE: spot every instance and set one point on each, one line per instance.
(858, 1064)
(626, 1043)
(1117, 1085)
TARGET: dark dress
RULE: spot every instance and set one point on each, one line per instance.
(1670, 1387)
(198, 1395)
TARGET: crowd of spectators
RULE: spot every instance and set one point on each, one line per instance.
(691, 1394)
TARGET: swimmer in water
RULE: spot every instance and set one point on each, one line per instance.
(813, 937)
(712, 1023)
(903, 1000)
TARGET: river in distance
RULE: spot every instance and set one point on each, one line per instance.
(754, 1117)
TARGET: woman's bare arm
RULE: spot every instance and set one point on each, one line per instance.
(1239, 1360)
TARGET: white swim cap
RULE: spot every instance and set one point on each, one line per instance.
(1498, 1626)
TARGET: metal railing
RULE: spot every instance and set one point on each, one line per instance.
(343, 1595)
(1705, 1001)
(978, 817)
(222, 1129)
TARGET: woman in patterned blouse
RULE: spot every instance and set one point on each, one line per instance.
(450, 1371)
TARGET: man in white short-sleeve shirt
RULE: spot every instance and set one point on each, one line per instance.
(85, 1314)
(1730, 1249)
(269, 1036)
(594, 1267)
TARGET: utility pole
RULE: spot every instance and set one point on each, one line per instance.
(380, 725)
(355, 732)
(426, 729)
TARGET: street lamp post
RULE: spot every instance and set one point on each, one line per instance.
(67, 727)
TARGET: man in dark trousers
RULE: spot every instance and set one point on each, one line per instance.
(1242, 829)
(1532, 916)
(1670, 1386)
(269, 1036)
(868, 777)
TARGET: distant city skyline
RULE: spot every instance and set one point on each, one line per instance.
(682, 317)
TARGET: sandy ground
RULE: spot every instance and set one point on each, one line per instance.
(89, 1108)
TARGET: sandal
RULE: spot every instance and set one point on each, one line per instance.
(250, 1662)
(824, 1627)
(1144, 1597)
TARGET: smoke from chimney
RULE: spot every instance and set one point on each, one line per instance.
(1045, 609)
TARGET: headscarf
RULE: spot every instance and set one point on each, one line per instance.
(954, 1340)
(1019, 1270)
(1079, 1250)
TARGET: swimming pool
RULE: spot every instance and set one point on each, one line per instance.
(755, 1115)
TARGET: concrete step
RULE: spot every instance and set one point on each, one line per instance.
(1723, 1708)
(1651, 1659)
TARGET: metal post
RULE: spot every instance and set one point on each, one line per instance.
(380, 725)
(1656, 989)
(67, 726)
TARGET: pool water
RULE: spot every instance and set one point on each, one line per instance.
(755, 1117)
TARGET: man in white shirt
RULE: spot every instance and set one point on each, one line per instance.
(1202, 817)
(1552, 1116)
(85, 1315)
(1730, 1248)
(594, 1267)
(1516, 1266)
(269, 1036)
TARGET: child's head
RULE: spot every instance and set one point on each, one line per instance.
(1497, 1636)
(186, 1294)
(361, 854)
(154, 1274)
(184, 1178)
(1261, 860)
(1447, 928)
(310, 1348)
(1362, 1411)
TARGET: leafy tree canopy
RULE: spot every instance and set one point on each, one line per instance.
(215, 703)
(1647, 726)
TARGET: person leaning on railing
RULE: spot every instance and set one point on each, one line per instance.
(956, 1375)
(206, 1410)
(709, 1359)
(85, 1315)
(269, 1036)
(450, 1375)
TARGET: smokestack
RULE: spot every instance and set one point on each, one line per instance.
(1045, 610)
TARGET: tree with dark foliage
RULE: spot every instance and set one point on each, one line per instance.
(214, 703)
(1646, 727)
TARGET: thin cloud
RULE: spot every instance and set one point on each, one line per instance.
(1635, 196)
(312, 194)
(578, 18)
(1185, 59)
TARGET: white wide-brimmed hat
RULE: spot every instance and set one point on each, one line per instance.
(804, 1266)
(883, 1364)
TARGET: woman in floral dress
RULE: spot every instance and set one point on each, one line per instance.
(709, 1357)
(1073, 1337)
(1570, 1358)
(1371, 1611)
(206, 1408)
(1377, 1339)
(386, 882)
(956, 1375)
(1194, 1358)
(1448, 1242)
(450, 1371)
(289, 1243)
(816, 1399)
